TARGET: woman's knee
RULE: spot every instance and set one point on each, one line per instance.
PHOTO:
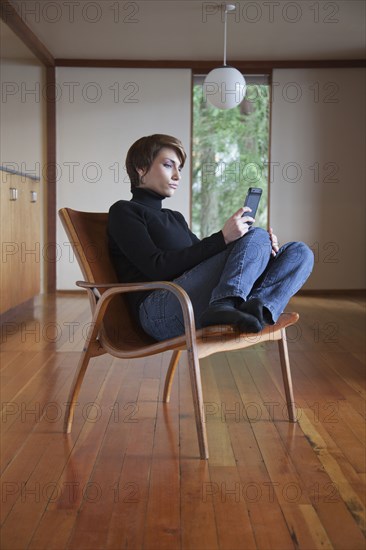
(257, 236)
(256, 244)
(300, 253)
(259, 233)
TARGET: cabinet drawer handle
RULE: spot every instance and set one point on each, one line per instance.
(13, 193)
(33, 196)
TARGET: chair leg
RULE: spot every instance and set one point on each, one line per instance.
(75, 388)
(195, 376)
(286, 375)
(170, 375)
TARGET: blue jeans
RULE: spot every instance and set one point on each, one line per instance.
(246, 269)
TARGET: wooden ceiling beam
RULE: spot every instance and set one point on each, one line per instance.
(202, 66)
(10, 16)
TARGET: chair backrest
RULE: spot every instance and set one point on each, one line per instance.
(87, 232)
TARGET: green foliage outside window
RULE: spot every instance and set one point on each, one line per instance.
(230, 154)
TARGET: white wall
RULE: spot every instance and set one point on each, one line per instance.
(100, 113)
(22, 116)
(317, 192)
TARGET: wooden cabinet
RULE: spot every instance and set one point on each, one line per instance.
(21, 252)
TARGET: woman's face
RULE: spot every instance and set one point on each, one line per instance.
(164, 174)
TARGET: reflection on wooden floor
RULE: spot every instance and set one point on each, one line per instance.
(129, 475)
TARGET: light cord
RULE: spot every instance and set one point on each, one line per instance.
(225, 36)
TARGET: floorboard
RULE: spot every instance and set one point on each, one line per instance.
(129, 475)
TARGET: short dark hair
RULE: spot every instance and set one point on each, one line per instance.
(143, 152)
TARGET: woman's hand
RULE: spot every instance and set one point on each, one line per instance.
(237, 225)
(274, 241)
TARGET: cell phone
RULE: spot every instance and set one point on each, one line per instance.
(252, 200)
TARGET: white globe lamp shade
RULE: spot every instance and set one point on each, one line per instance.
(224, 87)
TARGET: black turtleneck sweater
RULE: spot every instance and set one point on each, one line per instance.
(151, 243)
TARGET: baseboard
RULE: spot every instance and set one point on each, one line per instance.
(77, 291)
(353, 292)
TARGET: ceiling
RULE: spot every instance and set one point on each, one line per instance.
(193, 30)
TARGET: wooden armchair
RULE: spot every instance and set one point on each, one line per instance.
(113, 329)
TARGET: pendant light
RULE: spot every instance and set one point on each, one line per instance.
(225, 86)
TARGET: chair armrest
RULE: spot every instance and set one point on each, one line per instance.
(86, 285)
(112, 289)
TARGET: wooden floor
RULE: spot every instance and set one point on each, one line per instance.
(129, 475)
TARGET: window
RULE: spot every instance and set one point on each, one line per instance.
(230, 154)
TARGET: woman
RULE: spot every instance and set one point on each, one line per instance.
(237, 276)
